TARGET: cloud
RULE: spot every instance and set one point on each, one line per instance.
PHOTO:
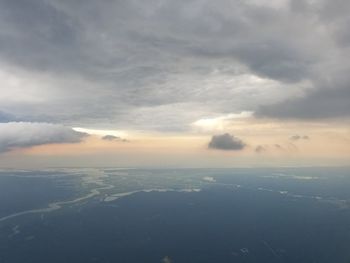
(327, 102)
(140, 59)
(110, 138)
(299, 137)
(5, 117)
(295, 137)
(279, 147)
(15, 135)
(113, 138)
(260, 149)
(226, 142)
(287, 147)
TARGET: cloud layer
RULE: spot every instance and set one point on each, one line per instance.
(15, 135)
(162, 65)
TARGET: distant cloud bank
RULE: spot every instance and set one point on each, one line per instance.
(15, 135)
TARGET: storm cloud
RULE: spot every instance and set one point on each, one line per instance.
(226, 142)
(14, 135)
(131, 62)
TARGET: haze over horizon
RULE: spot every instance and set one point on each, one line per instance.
(162, 83)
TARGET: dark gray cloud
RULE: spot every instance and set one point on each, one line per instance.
(15, 135)
(5, 117)
(332, 102)
(226, 142)
(123, 62)
(48, 36)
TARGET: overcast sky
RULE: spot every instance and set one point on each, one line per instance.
(173, 67)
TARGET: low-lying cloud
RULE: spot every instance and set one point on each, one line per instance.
(226, 142)
(260, 149)
(15, 135)
(109, 137)
(299, 137)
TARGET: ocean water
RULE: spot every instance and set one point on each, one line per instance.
(175, 215)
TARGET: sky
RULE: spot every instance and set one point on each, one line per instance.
(160, 83)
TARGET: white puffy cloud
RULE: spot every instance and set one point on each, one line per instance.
(15, 135)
